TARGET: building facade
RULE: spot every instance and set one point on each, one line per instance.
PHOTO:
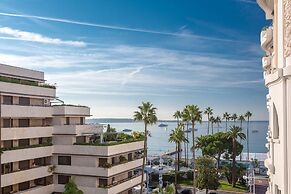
(276, 42)
(44, 145)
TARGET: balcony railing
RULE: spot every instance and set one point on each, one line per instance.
(110, 185)
(25, 147)
(25, 82)
(30, 167)
(109, 165)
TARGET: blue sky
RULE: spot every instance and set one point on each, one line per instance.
(111, 55)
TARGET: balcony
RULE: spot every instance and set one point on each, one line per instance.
(71, 110)
(26, 132)
(18, 111)
(20, 153)
(22, 176)
(38, 190)
(23, 89)
(119, 186)
(100, 149)
(78, 129)
(267, 39)
(268, 7)
(100, 171)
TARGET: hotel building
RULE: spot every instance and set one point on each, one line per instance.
(44, 145)
(276, 42)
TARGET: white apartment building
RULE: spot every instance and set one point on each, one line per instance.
(44, 145)
(276, 42)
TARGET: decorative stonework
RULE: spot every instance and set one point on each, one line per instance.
(287, 28)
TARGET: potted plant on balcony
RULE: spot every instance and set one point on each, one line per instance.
(106, 165)
(122, 159)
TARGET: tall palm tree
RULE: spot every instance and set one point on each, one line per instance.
(234, 117)
(146, 113)
(177, 136)
(193, 114)
(218, 121)
(178, 115)
(234, 133)
(226, 116)
(212, 121)
(208, 111)
(241, 118)
(248, 115)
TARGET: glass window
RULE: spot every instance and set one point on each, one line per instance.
(7, 123)
(7, 100)
(23, 122)
(63, 179)
(24, 101)
(24, 186)
(23, 142)
(64, 160)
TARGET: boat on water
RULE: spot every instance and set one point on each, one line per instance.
(190, 130)
(163, 125)
(255, 131)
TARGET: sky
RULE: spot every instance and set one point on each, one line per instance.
(112, 55)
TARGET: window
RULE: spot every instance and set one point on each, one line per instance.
(82, 120)
(24, 165)
(23, 142)
(7, 190)
(24, 101)
(7, 100)
(67, 120)
(80, 139)
(64, 160)
(23, 122)
(23, 186)
(7, 123)
(63, 179)
(275, 123)
(103, 182)
(8, 144)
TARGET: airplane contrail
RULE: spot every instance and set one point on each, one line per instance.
(114, 27)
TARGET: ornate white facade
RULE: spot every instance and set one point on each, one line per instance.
(276, 41)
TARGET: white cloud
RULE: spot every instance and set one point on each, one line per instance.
(34, 37)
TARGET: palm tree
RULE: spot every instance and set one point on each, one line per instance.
(146, 113)
(248, 115)
(218, 121)
(193, 114)
(234, 133)
(208, 111)
(234, 117)
(178, 115)
(226, 116)
(241, 118)
(177, 136)
(212, 121)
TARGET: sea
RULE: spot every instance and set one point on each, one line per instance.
(158, 141)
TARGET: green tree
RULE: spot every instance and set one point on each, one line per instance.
(226, 116)
(192, 114)
(235, 133)
(206, 177)
(178, 115)
(177, 136)
(234, 117)
(208, 111)
(146, 113)
(214, 145)
(248, 115)
(71, 188)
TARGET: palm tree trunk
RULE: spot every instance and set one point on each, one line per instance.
(185, 151)
(144, 156)
(176, 167)
(208, 124)
(187, 161)
(178, 152)
(248, 146)
(240, 156)
(233, 163)
(193, 152)
(212, 127)
(226, 125)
